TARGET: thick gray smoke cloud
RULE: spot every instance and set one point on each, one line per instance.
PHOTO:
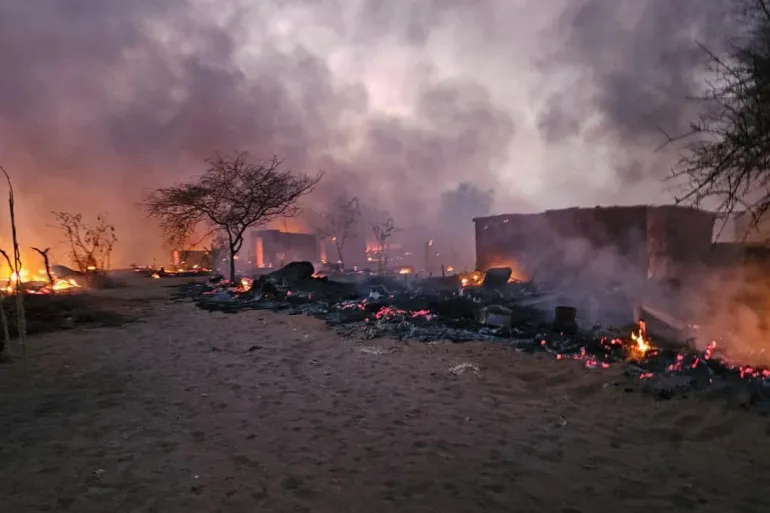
(641, 63)
(551, 104)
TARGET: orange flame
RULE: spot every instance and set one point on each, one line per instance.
(641, 340)
(25, 276)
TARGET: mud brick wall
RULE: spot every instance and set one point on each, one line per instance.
(679, 240)
(625, 241)
(745, 231)
(559, 241)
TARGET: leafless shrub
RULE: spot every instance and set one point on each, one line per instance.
(89, 245)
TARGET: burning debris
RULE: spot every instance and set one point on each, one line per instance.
(495, 309)
(40, 282)
(178, 272)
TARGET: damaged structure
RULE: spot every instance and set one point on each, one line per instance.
(274, 248)
(191, 258)
(632, 242)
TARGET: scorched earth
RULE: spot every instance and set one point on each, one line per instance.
(190, 411)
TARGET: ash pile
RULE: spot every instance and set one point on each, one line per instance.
(370, 305)
(492, 307)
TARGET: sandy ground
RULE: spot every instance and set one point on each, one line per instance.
(258, 412)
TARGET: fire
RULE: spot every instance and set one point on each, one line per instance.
(471, 279)
(65, 284)
(517, 274)
(641, 340)
(25, 276)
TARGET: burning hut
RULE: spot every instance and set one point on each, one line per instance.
(274, 248)
(634, 242)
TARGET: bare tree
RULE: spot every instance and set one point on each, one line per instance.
(90, 245)
(232, 195)
(6, 343)
(21, 317)
(339, 223)
(47, 261)
(727, 157)
(383, 231)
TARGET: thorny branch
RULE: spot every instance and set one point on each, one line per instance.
(727, 150)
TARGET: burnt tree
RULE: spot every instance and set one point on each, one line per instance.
(727, 154)
(89, 245)
(339, 223)
(47, 262)
(231, 196)
(21, 318)
(382, 232)
(6, 342)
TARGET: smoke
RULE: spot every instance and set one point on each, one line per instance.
(728, 305)
(400, 102)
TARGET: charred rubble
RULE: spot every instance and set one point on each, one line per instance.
(524, 316)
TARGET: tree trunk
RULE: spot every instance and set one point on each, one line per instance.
(231, 246)
(232, 264)
(5, 343)
(340, 260)
(46, 261)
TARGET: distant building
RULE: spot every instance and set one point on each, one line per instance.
(274, 248)
(191, 259)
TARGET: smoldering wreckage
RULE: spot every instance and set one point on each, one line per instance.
(539, 314)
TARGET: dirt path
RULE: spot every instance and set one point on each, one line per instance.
(196, 412)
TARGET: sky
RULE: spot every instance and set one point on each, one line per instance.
(550, 103)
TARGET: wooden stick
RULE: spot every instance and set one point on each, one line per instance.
(3, 317)
(20, 313)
